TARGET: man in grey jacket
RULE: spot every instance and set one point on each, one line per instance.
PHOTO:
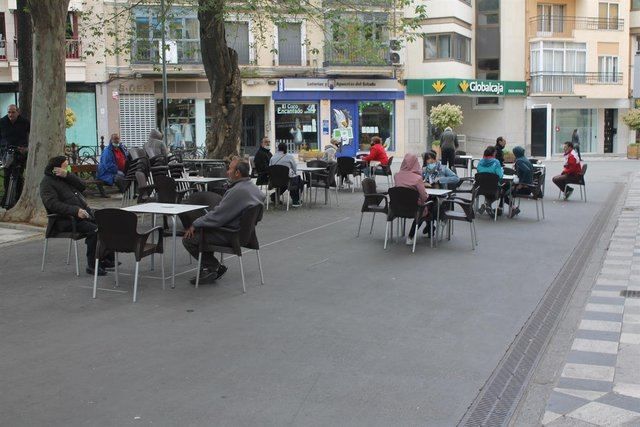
(448, 145)
(242, 194)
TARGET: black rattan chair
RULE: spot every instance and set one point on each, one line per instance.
(467, 214)
(118, 232)
(372, 202)
(278, 178)
(487, 185)
(346, 167)
(403, 204)
(243, 237)
(385, 170)
(325, 180)
(52, 233)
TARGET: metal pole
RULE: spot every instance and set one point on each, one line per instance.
(165, 117)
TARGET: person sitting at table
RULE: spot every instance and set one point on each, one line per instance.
(436, 174)
(295, 182)
(60, 191)
(410, 176)
(489, 164)
(377, 153)
(331, 151)
(570, 172)
(500, 144)
(524, 172)
(113, 164)
(261, 160)
(242, 194)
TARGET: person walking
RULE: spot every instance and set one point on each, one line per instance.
(449, 145)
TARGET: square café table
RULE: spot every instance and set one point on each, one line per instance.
(310, 170)
(200, 181)
(173, 209)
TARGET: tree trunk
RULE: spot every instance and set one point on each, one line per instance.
(25, 58)
(221, 66)
(47, 138)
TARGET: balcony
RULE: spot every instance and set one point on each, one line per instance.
(564, 26)
(73, 49)
(364, 54)
(564, 83)
(177, 51)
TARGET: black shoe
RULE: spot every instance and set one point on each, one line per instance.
(514, 212)
(207, 277)
(221, 270)
(567, 192)
(108, 264)
(101, 271)
(204, 271)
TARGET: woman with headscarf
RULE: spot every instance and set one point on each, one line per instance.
(410, 176)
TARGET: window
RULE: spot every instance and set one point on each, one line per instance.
(361, 38)
(608, 69)
(447, 46)
(296, 125)
(376, 119)
(608, 16)
(556, 66)
(182, 36)
(635, 4)
(290, 44)
(488, 39)
(181, 118)
(237, 34)
(551, 18)
(3, 38)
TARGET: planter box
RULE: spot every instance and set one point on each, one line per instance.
(633, 152)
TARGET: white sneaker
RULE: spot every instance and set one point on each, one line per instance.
(409, 241)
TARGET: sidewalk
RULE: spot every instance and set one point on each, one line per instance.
(13, 233)
(600, 380)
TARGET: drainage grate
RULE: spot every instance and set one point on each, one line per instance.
(630, 294)
(497, 400)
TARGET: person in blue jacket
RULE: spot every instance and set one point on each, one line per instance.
(489, 164)
(113, 164)
(524, 171)
(435, 173)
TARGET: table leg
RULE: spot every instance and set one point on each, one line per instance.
(173, 258)
(153, 224)
(469, 167)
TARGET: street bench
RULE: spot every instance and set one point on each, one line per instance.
(90, 169)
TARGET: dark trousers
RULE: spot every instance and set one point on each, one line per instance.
(88, 227)
(209, 260)
(121, 182)
(449, 157)
(294, 187)
(562, 180)
(16, 172)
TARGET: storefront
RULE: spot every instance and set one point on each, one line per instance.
(491, 108)
(308, 113)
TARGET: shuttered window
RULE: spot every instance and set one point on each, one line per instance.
(237, 34)
(137, 118)
(289, 44)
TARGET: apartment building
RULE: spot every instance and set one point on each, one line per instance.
(302, 85)
(85, 75)
(529, 70)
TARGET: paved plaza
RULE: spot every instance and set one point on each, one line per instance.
(342, 333)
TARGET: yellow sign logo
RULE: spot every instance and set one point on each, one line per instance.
(438, 86)
(464, 85)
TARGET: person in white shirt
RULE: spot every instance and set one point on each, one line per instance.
(295, 183)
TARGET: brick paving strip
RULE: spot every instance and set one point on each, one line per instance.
(600, 381)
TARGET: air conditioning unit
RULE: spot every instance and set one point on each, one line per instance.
(395, 51)
(170, 49)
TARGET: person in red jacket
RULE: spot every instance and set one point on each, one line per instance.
(571, 171)
(377, 153)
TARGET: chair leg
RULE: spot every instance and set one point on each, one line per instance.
(337, 202)
(69, 251)
(260, 267)
(135, 283)
(115, 257)
(75, 247)
(198, 269)
(386, 234)
(542, 206)
(44, 253)
(357, 234)
(415, 239)
(373, 218)
(585, 193)
(244, 289)
(221, 258)
(473, 243)
(95, 277)
(162, 263)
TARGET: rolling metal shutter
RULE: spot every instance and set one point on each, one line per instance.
(137, 118)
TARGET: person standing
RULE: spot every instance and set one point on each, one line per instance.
(261, 160)
(113, 164)
(500, 143)
(14, 133)
(570, 172)
(449, 145)
(575, 140)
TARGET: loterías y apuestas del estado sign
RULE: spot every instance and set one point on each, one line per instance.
(466, 87)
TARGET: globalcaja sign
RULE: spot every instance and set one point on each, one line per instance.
(465, 87)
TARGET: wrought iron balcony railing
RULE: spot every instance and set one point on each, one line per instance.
(563, 26)
(147, 51)
(73, 49)
(558, 82)
(366, 53)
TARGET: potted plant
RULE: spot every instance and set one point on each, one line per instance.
(509, 157)
(632, 119)
(446, 115)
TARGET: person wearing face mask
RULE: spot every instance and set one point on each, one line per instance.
(61, 193)
(437, 174)
(113, 164)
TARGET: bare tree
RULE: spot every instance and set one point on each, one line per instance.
(47, 137)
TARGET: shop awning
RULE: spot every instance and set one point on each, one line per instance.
(465, 87)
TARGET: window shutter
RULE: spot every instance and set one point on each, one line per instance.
(137, 118)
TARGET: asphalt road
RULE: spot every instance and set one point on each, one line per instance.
(343, 332)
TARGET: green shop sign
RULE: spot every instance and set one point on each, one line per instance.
(442, 87)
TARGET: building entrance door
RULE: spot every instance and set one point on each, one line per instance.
(609, 130)
(252, 127)
(539, 132)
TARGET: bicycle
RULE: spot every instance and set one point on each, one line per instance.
(11, 163)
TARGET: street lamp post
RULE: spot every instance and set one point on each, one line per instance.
(165, 116)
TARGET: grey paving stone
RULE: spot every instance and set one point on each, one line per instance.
(598, 335)
(606, 300)
(581, 384)
(609, 287)
(591, 358)
(633, 328)
(561, 403)
(597, 315)
(620, 401)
